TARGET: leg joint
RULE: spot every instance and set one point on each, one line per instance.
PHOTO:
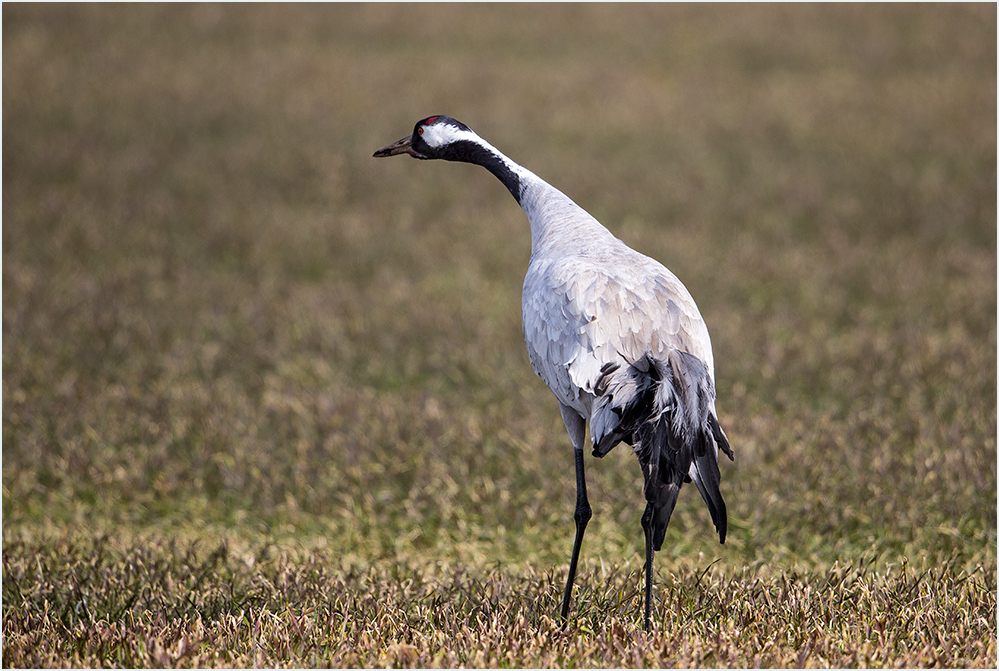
(647, 518)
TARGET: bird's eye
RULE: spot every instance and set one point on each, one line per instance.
(420, 130)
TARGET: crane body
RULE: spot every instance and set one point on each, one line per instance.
(616, 337)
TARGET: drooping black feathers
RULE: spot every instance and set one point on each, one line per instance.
(669, 419)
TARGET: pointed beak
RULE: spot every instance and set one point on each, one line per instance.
(403, 146)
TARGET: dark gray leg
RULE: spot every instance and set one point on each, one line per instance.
(647, 527)
(582, 516)
(576, 426)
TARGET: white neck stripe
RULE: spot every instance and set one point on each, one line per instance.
(438, 135)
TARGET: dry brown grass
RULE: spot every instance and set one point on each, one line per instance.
(160, 604)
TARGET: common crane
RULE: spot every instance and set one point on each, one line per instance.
(615, 336)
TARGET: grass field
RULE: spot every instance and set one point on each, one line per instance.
(266, 399)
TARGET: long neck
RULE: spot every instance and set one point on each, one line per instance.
(490, 158)
(557, 223)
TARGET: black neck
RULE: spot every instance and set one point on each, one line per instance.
(471, 152)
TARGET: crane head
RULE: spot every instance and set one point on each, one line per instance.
(429, 139)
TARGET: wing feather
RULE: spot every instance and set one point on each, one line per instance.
(641, 308)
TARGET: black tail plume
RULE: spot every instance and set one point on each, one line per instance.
(670, 420)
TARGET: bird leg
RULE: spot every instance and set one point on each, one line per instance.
(649, 554)
(576, 426)
(582, 516)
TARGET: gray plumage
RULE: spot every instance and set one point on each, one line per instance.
(616, 337)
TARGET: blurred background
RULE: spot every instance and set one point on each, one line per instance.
(223, 318)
